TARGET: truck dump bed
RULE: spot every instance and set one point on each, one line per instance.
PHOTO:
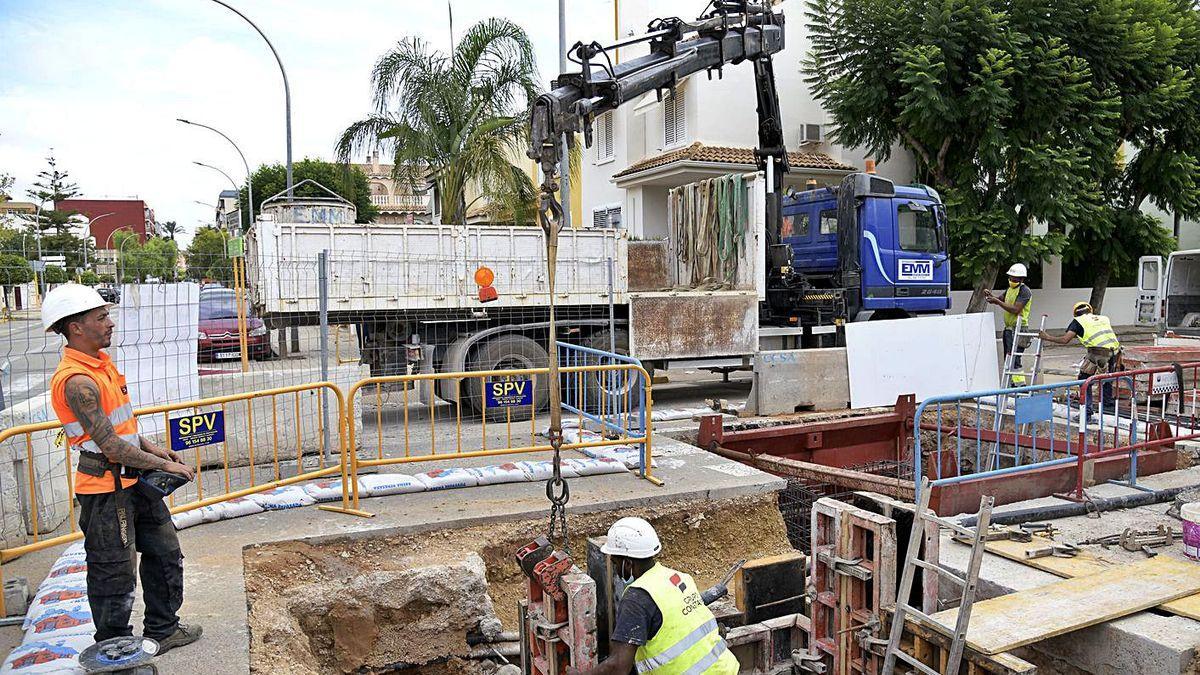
(392, 267)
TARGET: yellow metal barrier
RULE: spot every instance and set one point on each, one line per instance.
(620, 401)
(38, 542)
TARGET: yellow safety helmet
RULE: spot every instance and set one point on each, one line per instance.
(1081, 308)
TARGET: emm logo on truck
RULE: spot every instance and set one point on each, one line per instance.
(915, 270)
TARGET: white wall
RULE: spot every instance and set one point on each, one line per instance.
(1056, 304)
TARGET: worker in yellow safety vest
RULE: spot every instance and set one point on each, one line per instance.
(1017, 301)
(1095, 332)
(119, 517)
(662, 624)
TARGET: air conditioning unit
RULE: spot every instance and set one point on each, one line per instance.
(812, 133)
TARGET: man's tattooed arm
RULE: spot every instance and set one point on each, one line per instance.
(83, 397)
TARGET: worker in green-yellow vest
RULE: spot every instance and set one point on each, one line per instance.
(663, 625)
(1095, 332)
(1017, 301)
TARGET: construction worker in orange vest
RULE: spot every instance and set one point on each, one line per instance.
(116, 516)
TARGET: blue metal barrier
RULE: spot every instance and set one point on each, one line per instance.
(614, 400)
(1022, 418)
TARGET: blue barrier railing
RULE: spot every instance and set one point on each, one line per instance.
(613, 400)
(1023, 430)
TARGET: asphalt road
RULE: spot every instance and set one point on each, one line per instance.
(28, 357)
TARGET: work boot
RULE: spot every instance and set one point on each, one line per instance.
(185, 634)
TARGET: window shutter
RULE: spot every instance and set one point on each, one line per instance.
(674, 118)
(604, 141)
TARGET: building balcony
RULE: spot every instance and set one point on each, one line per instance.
(417, 203)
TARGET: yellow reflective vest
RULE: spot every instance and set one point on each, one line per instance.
(688, 642)
(1097, 332)
(1010, 296)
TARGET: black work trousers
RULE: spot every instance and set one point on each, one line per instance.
(112, 538)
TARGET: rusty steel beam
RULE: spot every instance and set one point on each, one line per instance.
(844, 478)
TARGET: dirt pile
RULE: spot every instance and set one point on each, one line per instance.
(387, 603)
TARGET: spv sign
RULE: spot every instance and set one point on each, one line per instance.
(509, 392)
(192, 431)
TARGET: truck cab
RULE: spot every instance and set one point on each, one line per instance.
(900, 266)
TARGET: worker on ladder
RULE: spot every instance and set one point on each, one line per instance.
(1096, 334)
(1017, 302)
(662, 624)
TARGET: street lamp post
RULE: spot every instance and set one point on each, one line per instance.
(287, 92)
(87, 234)
(249, 183)
(231, 182)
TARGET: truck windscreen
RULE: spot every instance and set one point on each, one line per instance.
(917, 228)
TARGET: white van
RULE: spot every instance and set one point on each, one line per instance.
(1169, 295)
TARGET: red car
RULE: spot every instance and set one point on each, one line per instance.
(219, 328)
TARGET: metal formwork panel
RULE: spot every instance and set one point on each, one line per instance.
(824, 590)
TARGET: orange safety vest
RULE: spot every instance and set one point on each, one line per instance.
(114, 399)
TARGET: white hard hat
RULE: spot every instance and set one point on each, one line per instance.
(67, 300)
(1018, 270)
(632, 538)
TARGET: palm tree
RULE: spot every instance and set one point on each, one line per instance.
(457, 119)
(170, 229)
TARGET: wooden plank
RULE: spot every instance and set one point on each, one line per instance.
(1082, 564)
(1010, 621)
(848, 479)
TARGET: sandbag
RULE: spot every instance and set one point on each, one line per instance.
(187, 519)
(544, 469)
(327, 489)
(447, 479)
(238, 507)
(59, 656)
(61, 620)
(73, 568)
(379, 484)
(495, 475)
(595, 466)
(53, 594)
(630, 456)
(286, 497)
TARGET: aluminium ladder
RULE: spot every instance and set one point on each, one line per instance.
(912, 560)
(1008, 380)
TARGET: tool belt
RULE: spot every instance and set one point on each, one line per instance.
(96, 465)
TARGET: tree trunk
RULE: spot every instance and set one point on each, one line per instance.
(1100, 285)
(984, 282)
(1175, 230)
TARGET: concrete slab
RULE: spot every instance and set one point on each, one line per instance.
(215, 591)
(1147, 642)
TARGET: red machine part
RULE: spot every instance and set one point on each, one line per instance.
(560, 612)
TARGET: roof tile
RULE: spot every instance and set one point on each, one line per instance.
(698, 152)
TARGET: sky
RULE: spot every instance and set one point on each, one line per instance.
(102, 83)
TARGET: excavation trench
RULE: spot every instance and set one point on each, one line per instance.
(405, 603)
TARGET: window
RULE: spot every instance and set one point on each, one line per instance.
(604, 137)
(917, 228)
(674, 117)
(829, 221)
(606, 217)
(795, 225)
(1150, 275)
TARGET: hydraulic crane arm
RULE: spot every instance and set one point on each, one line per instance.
(729, 33)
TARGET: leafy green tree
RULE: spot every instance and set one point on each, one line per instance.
(1145, 53)
(206, 257)
(54, 274)
(137, 262)
(458, 119)
(53, 186)
(69, 245)
(1000, 114)
(348, 182)
(89, 278)
(6, 183)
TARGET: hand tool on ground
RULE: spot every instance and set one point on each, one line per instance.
(1057, 550)
(1134, 540)
(721, 589)
(126, 655)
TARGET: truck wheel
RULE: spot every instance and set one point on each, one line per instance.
(610, 384)
(509, 352)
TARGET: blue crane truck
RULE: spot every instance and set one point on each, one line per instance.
(865, 249)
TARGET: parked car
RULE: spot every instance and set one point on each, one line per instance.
(109, 294)
(219, 340)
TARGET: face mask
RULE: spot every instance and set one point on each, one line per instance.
(1013, 284)
(622, 581)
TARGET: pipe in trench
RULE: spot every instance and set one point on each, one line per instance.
(1080, 508)
(491, 651)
